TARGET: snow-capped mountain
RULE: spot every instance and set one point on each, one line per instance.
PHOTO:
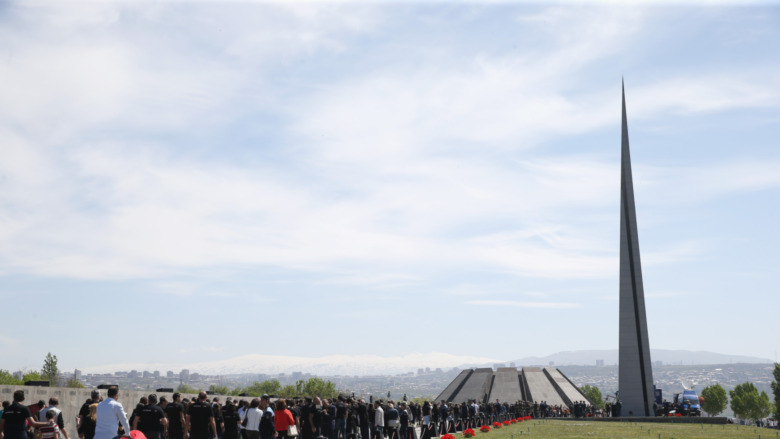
(325, 365)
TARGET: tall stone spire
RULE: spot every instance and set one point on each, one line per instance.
(635, 380)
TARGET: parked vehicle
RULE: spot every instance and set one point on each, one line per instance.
(688, 403)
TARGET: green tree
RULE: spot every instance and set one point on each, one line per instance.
(270, 387)
(6, 378)
(593, 394)
(319, 387)
(715, 399)
(74, 383)
(32, 375)
(219, 390)
(49, 371)
(421, 399)
(288, 391)
(310, 387)
(776, 389)
(183, 388)
(747, 403)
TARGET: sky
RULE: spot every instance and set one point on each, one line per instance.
(190, 182)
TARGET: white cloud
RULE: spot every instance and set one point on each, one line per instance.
(277, 150)
(8, 342)
(699, 183)
(675, 252)
(182, 289)
(200, 349)
(418, 166)
(523, 304)
(668, 294)
(150, 214)
(705, 93)
(136, 68)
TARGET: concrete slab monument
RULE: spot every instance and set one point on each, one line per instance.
(508, 384)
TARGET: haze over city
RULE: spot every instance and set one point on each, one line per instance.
(431, 179)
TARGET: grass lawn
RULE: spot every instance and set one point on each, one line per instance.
(585, 429)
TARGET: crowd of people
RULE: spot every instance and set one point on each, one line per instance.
(261, 418)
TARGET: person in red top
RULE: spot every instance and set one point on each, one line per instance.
(283, 418)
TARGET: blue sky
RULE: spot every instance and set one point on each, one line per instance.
(382, 178)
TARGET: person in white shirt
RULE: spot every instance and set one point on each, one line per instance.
(109, 413)
(253, 415)
(379, 420)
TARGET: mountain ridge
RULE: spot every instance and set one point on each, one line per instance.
(363, 365)
(324, 365)
(610, 357)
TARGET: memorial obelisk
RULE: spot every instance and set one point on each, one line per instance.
(635, 379)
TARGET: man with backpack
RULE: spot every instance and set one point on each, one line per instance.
(341, 419)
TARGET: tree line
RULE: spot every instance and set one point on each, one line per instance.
(745, 400)
(49, 372)
(311, 387)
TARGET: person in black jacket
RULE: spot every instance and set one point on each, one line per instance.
(444, 414)
(232, 420)
(174, 412)
(341, 418)
(200, 419)
(391, 420)
(305, 428)
(151, 419)
(363, 419)
(315, 417)
(81, 421)
(328, 418)
(138, 407)
(403, 418)
(16, 419)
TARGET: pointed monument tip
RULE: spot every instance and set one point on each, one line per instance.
(623, 90)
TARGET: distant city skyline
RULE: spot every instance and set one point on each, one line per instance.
(428, 382)
(376, 179)
(343, 365)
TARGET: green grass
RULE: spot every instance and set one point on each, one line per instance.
(585, 429)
